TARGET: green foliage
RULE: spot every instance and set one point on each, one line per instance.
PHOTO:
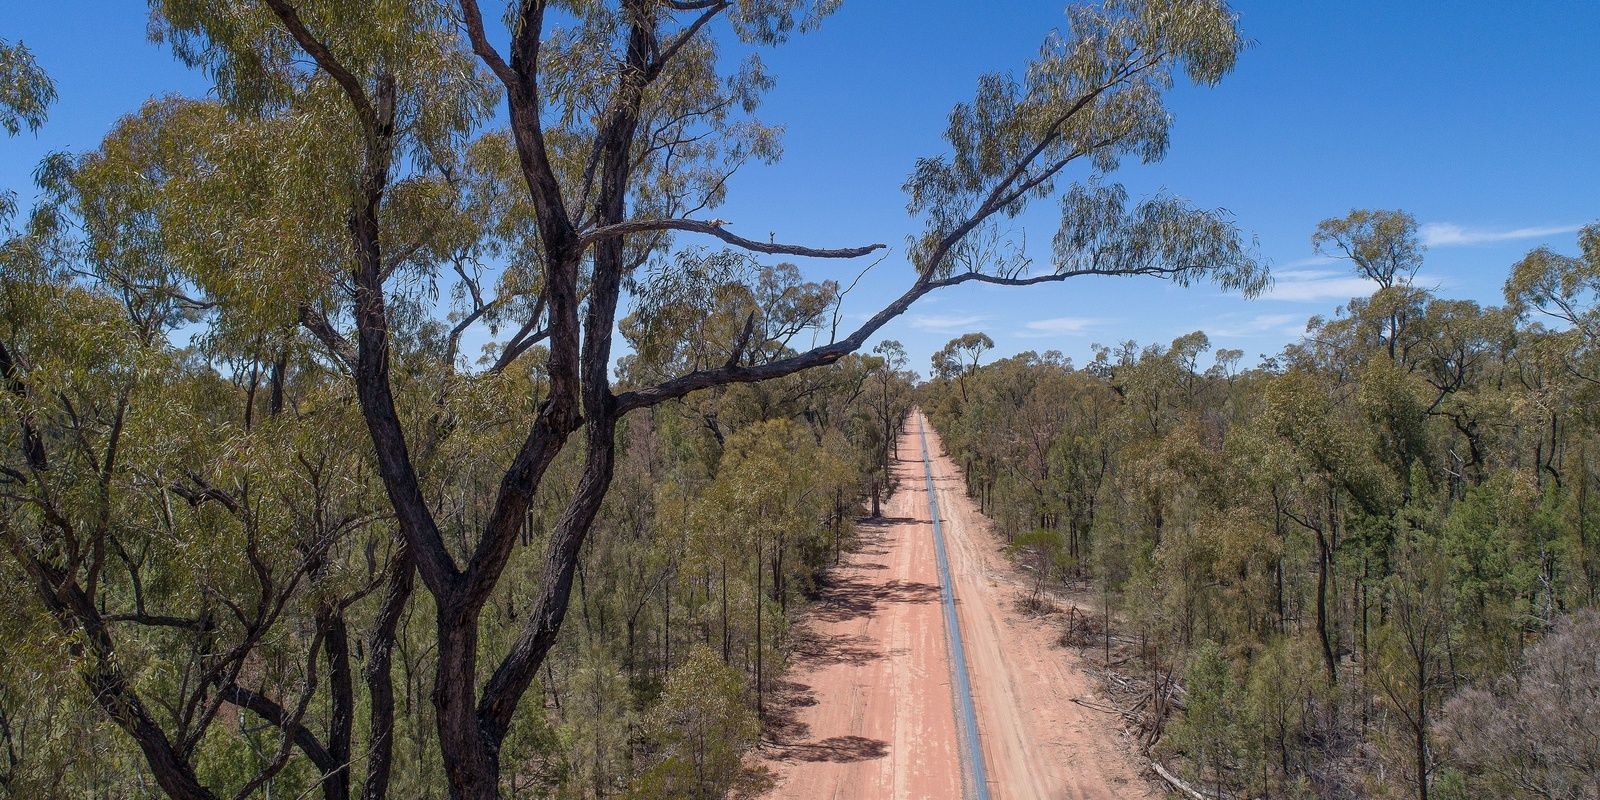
(1382, 245)
(26, 90)
(1330, 546)
(269, 530)
(1093, 93)
(1210, 727)
(700, 731)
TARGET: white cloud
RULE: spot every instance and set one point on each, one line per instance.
(1444, 234)
(1316, 286)
(1057, 326)
(947, 323)
(1262, 323)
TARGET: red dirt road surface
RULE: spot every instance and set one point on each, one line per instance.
(867, 710)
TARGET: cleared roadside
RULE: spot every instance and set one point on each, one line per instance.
(865, 709)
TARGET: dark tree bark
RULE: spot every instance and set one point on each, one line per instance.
(378, 674)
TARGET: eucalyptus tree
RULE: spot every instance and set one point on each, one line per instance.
(1382, 247)
(343, 171)
(26, 90)
(890, 404)
(1566, 290)
(191, 537)
(958, 358)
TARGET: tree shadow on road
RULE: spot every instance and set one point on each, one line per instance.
(842, 594)
(848, 597)
(782, 724)
(786, 735)
(839, 749)
(812, 651)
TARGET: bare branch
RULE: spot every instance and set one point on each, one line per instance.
(829, 353)
(1055, 277)
(713, 228)
(265, 708)
(525, 338)
(516, 348)
(815, 357)
(712, 9)
(157, 620)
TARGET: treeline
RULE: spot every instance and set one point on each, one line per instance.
(1361, 558)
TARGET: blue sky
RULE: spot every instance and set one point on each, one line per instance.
(1477, 117)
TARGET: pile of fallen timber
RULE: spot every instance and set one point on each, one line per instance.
(1081, 630)
(1144, 704)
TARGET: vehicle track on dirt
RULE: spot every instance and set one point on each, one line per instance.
(974, 775)
(867, 710)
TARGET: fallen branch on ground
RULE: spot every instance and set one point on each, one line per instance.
(1175, 781)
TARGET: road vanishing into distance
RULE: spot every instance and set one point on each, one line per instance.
(974, 777)
(874, 707)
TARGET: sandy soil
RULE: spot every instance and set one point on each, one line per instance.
(867, 710)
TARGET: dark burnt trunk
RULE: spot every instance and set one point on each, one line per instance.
(379, 676)
(1323, 557)
(108, 686)
(341, 703)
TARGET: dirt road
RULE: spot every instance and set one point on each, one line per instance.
(867, 711)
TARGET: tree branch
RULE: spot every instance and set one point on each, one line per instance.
(100, 671)
(157, 620)
(319, 326)
(829, 353)
(486, 51)
(712, 9)
(714, 229)
(516, 347)
(324, 57)
(264, 707)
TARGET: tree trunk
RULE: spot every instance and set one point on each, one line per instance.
(760, 706)
(1322, 608)
(1421, 728)
(341, 702)
(471, 765)
(380, 679)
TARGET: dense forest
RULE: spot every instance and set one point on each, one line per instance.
(380, 423)
(1369, 564)
(298, 617)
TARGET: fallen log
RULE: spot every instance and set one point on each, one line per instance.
(1102, 707)
(1174, 781)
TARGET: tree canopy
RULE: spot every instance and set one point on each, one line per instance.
(1369, 561)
